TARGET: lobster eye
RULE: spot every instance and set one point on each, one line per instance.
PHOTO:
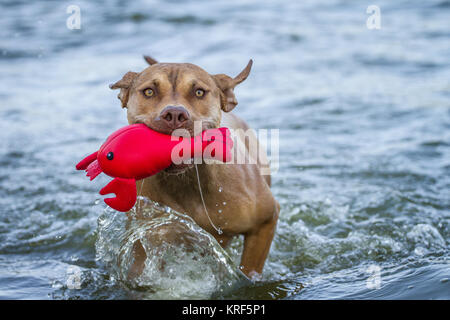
(110, 155)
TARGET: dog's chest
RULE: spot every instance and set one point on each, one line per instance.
(220, 216)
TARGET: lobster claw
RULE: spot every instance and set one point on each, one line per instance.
(125, 191)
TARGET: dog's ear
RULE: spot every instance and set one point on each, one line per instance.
(124, 85)
(150, 60)
(226, 85)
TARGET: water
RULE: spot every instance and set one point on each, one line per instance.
(364, 145)
(188, 264)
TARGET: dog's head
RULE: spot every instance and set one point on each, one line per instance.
(170, 96)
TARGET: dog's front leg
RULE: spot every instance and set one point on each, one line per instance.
(138, 265)
(257, 245)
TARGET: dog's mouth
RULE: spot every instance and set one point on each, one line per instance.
(175, 169)
(182, 167)
(178, 168)
(190, 127)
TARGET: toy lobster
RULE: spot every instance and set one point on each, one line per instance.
(136, 152)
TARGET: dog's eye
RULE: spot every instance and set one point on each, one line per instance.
(149, 92)
(199, 93)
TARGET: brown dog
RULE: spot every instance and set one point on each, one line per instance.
(169, 96)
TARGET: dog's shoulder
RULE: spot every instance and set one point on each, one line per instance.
(232, 121)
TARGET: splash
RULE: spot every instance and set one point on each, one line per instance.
(183, 261)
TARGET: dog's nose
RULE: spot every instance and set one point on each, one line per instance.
(174, 117)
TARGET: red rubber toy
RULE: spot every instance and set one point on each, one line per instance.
(136, 152)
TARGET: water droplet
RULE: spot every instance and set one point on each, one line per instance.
(220, 211)
(221, 241)
(419, 251)
(97, 201)
(217, 204)
(224, 203)
(57, 285)
(220, 189)
(219, 231)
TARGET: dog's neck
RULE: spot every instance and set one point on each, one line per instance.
(186, 184)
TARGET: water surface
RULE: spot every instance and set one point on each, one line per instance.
(364, 119)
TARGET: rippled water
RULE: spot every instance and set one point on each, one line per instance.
(364, 146)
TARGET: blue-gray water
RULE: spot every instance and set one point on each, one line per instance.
(364, 119)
